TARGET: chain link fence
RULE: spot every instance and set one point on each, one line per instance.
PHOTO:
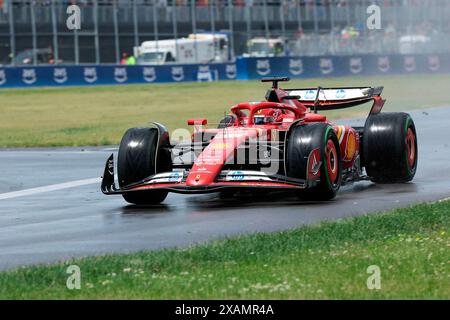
(35, 31)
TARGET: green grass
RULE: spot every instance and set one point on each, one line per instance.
(100, 115)
(326, 261)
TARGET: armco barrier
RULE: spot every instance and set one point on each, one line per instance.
(243, 69)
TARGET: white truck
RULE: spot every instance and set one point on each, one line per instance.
(263, 47)
(413, 44)
(196, 48)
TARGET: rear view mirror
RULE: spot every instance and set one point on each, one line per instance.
(197, 122)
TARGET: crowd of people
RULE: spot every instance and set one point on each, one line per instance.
(339, 31)
(127, 59)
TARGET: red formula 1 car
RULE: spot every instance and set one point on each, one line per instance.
(281, 143)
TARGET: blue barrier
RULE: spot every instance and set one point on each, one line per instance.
(242, 69)
(308, 67)
(62, 75)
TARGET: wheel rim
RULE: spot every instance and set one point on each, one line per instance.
(332, 161)
(411, 148)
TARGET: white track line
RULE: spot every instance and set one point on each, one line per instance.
(52, 187)
(443, 200)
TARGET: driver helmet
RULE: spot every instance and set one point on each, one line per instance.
(264, 116)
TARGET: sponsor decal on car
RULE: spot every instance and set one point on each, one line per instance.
(340, 94)
(220, 145)
(235, 175)
(168, 177)
(175, 177)
(350, 148)
(330, 94)
(241, 175)
(310, 94)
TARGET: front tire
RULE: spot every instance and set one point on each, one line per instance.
(390, 151)
(303, 140)
(143, 153)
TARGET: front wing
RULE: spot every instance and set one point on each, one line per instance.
(175, 182)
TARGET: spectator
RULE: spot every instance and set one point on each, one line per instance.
(124, 58)
(51, 59)
(131, 60)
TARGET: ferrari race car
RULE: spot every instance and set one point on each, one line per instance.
(282, 143)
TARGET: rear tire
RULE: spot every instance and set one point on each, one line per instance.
(303, 140)
(390, 155)
(140, 156)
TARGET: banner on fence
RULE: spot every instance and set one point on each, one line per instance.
(308, 67)
(243, 69)
(106, 75)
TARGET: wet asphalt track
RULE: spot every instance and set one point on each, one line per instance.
(41, 227)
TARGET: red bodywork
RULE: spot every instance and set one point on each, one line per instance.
(207, 171)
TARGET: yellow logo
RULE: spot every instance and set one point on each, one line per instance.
(351, 146)
(220, 145)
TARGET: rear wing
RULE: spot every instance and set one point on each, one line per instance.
(338, 98)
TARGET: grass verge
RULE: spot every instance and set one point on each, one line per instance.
(411, 246)
(100, 115)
